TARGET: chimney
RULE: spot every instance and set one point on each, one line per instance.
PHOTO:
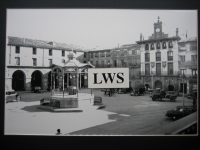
(140, 36)
(176, 31)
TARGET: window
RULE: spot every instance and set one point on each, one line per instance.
(164, 45)
(97, 54)
(182, 71)
(170, 56)
(158, 68)
(63, 53)
(133, 52)
(34, 51)
(122, 53)
(91, 54)
(102, 63)
(194, 59)
(158, 46)
(50, 62)
(194, 72)
(17, 60)
(147, 47)
(147, 69)
(108, 63)
(122, 63)
(152, 46)
(147, 57)
(182, 58)
(107, 54)
(34, 62)
(97, 63)
(102, 54)
(170, 68)
(50, 52)
(193, 46)
(17, 49)
(84, 54)
(115, 63)
(158, 56)
(170, 44)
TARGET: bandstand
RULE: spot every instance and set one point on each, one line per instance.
(63, 93)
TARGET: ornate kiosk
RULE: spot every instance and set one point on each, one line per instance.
(65, 81)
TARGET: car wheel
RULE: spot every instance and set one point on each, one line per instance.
(154, 98)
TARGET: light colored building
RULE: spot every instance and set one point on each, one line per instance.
(124, 56)
(188, 64)
(28, 62)
(159, 59)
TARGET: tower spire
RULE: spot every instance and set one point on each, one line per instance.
(158, 18)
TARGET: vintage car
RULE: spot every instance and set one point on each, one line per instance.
(192, 94)
(164, 94)
(178, 113)
(124, 90)
(37, 89)
(12, 96)
(138, 92)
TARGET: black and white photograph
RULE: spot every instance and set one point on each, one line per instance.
(94, 72)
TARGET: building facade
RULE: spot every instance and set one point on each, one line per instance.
(188, 64)
(28, 62)
(124, 56)
(159, 59)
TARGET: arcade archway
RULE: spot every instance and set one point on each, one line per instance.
(18, 80)
(36, 78)
(171, 87)
(158, 84)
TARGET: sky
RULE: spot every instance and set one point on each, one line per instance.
(96, 29)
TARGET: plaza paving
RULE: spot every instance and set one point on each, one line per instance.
(123, 115)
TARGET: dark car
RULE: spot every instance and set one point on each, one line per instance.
(12, 96)
(138, 92)
(123, 90)
(178, 113)
(37, 89)
(164, 94)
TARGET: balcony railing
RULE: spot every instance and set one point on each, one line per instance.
(170, 58)
(175, 73)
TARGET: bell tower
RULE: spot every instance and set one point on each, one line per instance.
(158, 29)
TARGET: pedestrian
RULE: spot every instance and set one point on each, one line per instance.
(58, 132)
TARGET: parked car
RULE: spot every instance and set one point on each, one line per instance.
(138, 92)
(180, 112)
(192, 94)
(37, 89)
(12, 96)
(163, 94)
(123, 90)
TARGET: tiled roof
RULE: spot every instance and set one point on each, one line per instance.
(193, 39)
(17, 41)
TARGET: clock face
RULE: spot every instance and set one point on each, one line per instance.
(157, 30)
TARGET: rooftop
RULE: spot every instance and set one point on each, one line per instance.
(25, 42)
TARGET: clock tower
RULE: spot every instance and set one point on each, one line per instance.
(158, 29)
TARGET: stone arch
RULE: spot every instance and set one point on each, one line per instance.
(36, 78)
(170, 87)
(18, 80)
(164, 45)
(170, 44)
(158, 84)
(158, 45)
(147, 47)
(146, 87)
(152, 46)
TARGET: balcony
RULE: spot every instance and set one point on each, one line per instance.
(160, 73)
(170, 58)
(189, 64)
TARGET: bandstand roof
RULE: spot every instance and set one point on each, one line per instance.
(74, 64)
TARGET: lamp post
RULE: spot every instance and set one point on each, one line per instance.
(183, 90)
(63, 61)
